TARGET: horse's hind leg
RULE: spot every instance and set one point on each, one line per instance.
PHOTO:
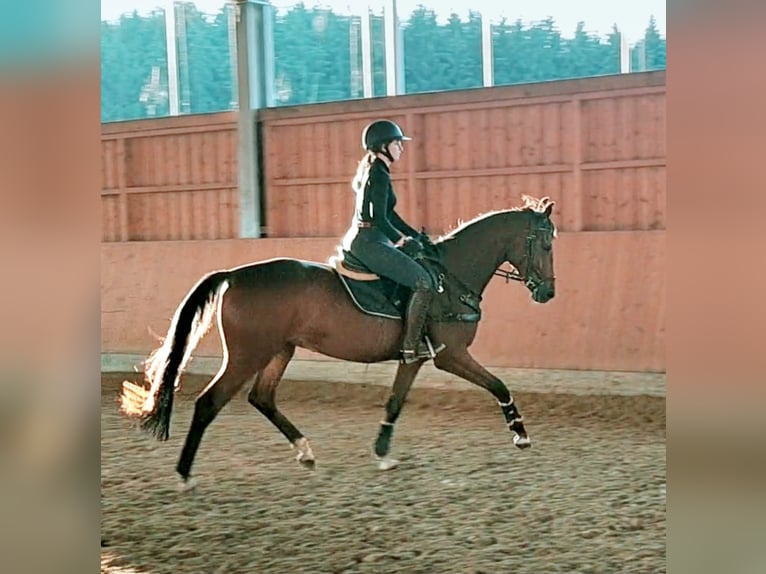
(232, 376)
(405, 375)
(462, 364)
(262, 397)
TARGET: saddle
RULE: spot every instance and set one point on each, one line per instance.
(380, 296)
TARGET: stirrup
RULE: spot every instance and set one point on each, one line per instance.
(424, 350)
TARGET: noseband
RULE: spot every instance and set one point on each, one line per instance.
(530, 282)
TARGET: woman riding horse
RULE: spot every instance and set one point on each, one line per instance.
(377, 231)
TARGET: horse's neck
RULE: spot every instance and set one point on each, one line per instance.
(475, 252)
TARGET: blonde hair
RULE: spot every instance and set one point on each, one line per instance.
(362, 170)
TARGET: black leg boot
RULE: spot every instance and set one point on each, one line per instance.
(414, 348)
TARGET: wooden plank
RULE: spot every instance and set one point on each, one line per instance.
(122, 186)
(178, 188)
(623, 164)
(604, 86)
(573, 205)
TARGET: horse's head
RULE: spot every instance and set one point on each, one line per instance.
(532, 252)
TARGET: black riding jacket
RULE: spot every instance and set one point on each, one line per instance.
(375, 203)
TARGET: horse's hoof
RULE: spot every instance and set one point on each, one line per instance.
(305, 455)
(187, 485)
(522, 441)
(387, 463)
(308, 463)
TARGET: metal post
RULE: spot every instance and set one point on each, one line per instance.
(355, 77)
(401, 88)
(255, 71)
(394, 85)
(486, 51)
(641, 56)
(170, 42)
(366, 51)
(232, 10)
(183, 61)
(624, 54)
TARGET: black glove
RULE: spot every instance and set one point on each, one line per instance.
(412, 246)
(424, 239)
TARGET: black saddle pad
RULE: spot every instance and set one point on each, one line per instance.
(381, 297)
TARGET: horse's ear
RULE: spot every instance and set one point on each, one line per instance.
(549, 209)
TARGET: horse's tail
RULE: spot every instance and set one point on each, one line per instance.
(164, 366)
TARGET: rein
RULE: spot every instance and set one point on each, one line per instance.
(509, 275)
(514, 274)
(470, 297)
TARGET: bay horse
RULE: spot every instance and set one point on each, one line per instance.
(265, 310)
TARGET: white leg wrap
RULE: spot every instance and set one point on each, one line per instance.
(522, 441)
(305, 454)
(187, 485)
(387, 463)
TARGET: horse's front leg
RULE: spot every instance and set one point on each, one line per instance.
(462, 364)
(405, 375)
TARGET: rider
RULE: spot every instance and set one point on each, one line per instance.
(377, 230)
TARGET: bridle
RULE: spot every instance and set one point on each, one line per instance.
(530, 281)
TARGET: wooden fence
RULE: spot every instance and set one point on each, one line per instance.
(170, 178)
(596, 145)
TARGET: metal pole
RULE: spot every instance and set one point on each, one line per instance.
(183, 61)
(486, 51)
(366, 52)
(392, 58)
(170, 41)
(266, 62)
(249, 98)
(255, 77)
(401, 88)
(355, 77)
(624, 54)
(232, 10)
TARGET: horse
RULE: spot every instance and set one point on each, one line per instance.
(267, 309)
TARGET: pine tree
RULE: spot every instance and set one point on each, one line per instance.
(655, 47)
(130, 49)
(312, 57)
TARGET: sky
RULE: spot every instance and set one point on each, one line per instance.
(631, 16)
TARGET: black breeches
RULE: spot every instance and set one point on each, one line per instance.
(384, 259)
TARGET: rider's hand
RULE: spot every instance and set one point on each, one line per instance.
(411, 245)
(425, 239)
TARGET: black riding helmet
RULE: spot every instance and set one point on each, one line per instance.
(379, 133)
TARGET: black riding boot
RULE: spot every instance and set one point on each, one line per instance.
(414, 348)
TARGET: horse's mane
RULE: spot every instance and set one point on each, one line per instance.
(531, 205)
